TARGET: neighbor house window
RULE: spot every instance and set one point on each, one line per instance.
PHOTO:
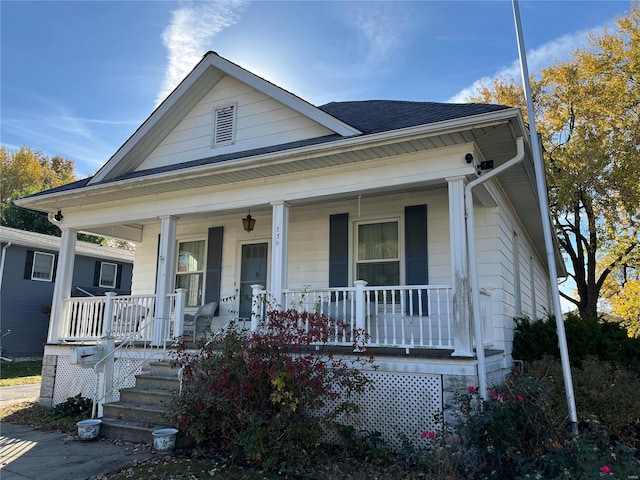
(42, 266)
(190, 271)
(378, 255)
(224, 125)
(108, 273)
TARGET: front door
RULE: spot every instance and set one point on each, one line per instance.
(253, 270)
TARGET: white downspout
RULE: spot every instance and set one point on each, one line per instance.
(4, 252)
(473, 267)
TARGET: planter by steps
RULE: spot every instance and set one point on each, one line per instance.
(142, 409)
(164, 440)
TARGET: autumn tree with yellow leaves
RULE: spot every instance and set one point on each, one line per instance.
(25, 172)
(588, 114)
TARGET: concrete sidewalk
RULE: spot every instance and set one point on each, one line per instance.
(30, 454)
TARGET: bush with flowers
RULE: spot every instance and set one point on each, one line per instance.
(515, 434)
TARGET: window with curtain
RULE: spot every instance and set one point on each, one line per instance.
(108, 273)
(190, 271)
(378, 256)
(42, 266)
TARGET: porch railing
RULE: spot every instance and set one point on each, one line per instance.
(395, 316)
(126, 317)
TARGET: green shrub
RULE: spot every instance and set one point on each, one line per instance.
(516, 434)
(603, 391)
(73, 407)
(585, 337)
(269, 395)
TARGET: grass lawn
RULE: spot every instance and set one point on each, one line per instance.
(19, 373)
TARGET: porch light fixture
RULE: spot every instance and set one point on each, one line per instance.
(248, 223)
(58, 216)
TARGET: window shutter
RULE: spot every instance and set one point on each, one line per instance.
(415, 237)
(118, 275)
(155, 289)
(28, 266)
(224, 125)
(96, 273)
(339, 250)
(55, 268)
(214, 266)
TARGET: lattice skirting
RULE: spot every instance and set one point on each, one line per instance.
(72, 380)
(400, 406)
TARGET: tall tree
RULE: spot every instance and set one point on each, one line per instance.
(588, 115)
(25, 172)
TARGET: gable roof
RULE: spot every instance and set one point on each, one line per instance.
(369, 117)
(204, 76)
(52, 243)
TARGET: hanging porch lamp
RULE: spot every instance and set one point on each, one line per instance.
(248, 223)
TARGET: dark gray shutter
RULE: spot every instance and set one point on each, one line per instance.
(28, 266)
(96, 273)
(214, 266)
(118, 276)
(415, 237)
(55, 268)
(339, 250)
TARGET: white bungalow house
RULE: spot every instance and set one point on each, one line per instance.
(416, 221)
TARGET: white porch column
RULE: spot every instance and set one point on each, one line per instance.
(166, 265)
(459, 272)
(279, 249)
(62, 287)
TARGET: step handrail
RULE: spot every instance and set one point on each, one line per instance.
(110, 356)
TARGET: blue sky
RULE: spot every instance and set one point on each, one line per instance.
(78, 77)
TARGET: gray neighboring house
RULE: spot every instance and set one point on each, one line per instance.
(27, 276)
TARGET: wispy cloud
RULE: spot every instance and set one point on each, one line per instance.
(57, 130)
(380, 33)
(547, 54)
(188, 35)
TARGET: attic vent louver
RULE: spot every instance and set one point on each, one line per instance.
(224, 125)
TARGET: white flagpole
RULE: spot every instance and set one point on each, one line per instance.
(546, 224)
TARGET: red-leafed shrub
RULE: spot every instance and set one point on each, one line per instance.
(269, 395)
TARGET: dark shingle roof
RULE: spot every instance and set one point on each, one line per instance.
(368, 116)
(375, 116)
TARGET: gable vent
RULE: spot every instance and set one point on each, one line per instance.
(224, 125)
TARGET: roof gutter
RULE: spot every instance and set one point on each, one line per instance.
(473, 266)
(348, 144)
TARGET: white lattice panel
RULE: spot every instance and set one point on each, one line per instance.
(400, 405)
(72, 380)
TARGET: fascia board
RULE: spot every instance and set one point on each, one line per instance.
(347, 144)
(223, 66)
(283, 96)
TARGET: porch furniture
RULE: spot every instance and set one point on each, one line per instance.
(199, 322)
(128, 321)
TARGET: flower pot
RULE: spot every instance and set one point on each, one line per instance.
(164, 440)
(89, 429)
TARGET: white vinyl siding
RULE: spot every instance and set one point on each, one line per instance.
(42, 269)
(108, 273)
(260, 121)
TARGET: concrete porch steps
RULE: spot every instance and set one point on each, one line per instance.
(141, 409)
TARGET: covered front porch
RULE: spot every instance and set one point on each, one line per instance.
(401, 317)
(296, 242)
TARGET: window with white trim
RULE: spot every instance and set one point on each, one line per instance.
(108, 272)
(42, 269)
(378, 253)
(224, 125)
(190, 270)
